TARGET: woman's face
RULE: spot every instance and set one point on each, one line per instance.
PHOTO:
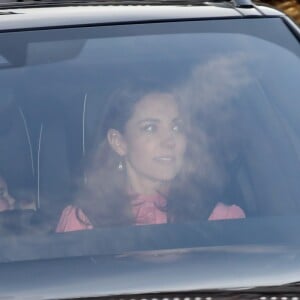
(154, 140)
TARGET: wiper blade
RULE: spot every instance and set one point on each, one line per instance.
(292, 284)
(216, 294)
(291, 288)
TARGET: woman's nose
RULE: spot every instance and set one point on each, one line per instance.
(169, 140)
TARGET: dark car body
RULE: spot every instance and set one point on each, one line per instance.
(255, 258)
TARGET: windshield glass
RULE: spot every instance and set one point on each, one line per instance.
(146, 132)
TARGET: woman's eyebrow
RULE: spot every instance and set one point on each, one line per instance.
(177, 119)
(153, 120)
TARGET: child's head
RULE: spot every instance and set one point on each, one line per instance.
(6, 200)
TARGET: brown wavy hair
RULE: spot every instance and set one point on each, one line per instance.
(102, 195)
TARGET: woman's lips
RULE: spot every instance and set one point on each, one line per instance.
(165, 159)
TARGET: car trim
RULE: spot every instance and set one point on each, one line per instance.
(57, 17)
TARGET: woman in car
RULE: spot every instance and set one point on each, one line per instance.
(147, 168)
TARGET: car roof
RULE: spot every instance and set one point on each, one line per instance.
(14, 18)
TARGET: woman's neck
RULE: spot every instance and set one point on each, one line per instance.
(138, 184)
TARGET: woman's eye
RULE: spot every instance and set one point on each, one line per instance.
(149, 128)
(178, 128)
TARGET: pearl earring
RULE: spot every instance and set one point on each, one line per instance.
(120, 166)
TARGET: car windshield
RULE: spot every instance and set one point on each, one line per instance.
(125, 138)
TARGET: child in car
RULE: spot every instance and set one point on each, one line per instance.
(7, 202)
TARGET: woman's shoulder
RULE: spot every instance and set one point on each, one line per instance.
(223, 211)
(73, 219)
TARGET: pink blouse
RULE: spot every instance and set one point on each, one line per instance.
(146, 210)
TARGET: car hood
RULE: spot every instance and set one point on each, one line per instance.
(164, 271)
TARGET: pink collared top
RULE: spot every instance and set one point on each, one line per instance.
(146, 210)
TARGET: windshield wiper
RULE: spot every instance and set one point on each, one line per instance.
(275, 290)
(217, 294)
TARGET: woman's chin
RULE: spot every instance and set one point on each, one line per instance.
(164, 176)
